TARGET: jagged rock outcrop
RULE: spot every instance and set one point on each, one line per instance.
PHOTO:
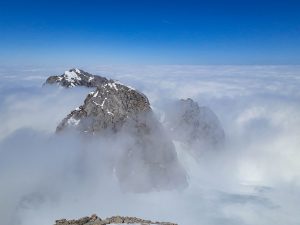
(95, 220)
(76, 77)
(194, 125)
(149, 161)
(108, 107)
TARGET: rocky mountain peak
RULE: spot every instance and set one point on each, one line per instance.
(114, 108)
(76, 77)
(109, 106)
(194, 125)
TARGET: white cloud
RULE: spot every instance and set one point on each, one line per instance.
(255, 179)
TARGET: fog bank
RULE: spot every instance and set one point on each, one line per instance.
(253, 179)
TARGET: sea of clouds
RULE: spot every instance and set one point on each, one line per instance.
(253, 180)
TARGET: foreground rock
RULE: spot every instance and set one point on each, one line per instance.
(76, 77)
(194, 125)
(95, 220)
(149, 160)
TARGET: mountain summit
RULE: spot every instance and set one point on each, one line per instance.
(108, 107)
(148, 161)
(76, 77)
(194, 125)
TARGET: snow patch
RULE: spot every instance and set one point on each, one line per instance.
(102, 104)
(97, 104)
(110, 113)
(112, 85)
(73, 121)
(71, 76)
(95, 94)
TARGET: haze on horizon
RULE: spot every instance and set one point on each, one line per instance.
(239, 58)
(253, 180)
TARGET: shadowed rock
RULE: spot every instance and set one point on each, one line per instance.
(194, 125)
(150, 162)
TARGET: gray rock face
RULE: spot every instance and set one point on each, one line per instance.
(108, 107)
(76, 77)
(150, 161)
(95, 220)
(194, 125)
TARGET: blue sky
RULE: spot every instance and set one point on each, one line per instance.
(149, 32)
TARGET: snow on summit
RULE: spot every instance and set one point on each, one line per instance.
(71, 76)
(76, 77)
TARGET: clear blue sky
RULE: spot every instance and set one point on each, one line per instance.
(84, 32)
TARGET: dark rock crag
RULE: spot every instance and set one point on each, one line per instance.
(194, 125)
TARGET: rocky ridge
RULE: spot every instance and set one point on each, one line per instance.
(108, 107)
(76, 77)
(95, 220)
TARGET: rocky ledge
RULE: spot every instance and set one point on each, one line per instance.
(95, 220)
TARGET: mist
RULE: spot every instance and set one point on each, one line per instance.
(253, 179)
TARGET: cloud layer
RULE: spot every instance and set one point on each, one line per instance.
(255, 179)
